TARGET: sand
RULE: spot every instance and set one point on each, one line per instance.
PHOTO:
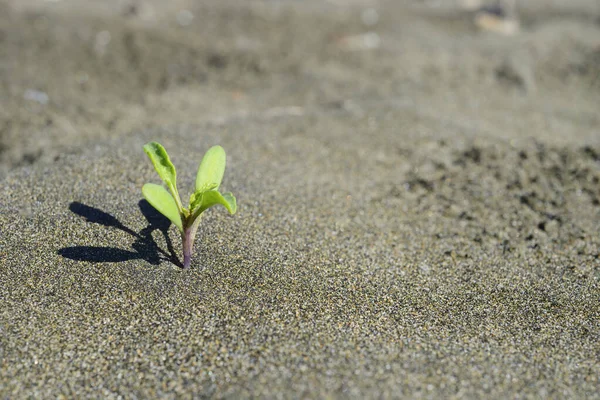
(419, 208)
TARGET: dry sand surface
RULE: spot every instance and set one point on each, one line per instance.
(419, 200)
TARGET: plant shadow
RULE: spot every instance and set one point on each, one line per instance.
(144, 247)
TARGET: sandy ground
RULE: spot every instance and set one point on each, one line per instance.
(419, 200)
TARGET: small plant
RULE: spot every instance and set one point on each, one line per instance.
(206, 194)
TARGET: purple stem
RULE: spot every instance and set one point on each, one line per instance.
(188, 246)
(187, 237)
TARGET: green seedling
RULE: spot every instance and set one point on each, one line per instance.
(206, 194)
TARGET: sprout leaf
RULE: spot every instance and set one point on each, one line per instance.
(163, 201)
(211, 169)
(165, 168)
(195, 201)
(213, 197)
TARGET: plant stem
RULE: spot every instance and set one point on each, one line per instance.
(187, 238)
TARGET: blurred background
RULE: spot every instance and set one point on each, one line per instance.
(76, 71)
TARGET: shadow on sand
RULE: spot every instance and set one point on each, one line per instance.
(144, 247)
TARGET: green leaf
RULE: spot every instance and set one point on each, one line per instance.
(231, 205)
(213, 197)
(211, 169)
(165, 168)
(196, 197)
(163, 201)
(195, 201)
